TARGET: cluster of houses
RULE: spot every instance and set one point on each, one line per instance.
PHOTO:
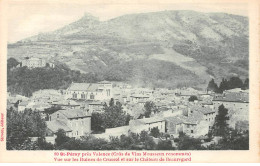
(175, 112)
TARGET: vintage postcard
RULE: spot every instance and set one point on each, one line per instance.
(129, 81)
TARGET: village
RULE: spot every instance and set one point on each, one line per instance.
(182, 110)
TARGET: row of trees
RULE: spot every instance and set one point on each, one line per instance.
(233, 82)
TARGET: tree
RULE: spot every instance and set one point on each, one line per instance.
(150, 108)
(155, 132)
(246, 84)
(220, 126)
(235, 82)
(223, 86)
(11, 62)
(193, 98)
(126, 142)
(114, 116)
(234, 141)
(61, 138)
(188, 143)
(43, 145)
(147, 140)
(97, 122)
(165, 145)
(71, 144)
(89, 142)
(212, 86)
(111, 102)
(23, 125)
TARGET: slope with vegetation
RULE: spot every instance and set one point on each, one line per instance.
(211, 45)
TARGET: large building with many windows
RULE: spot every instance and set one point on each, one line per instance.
(90, 91)
(33, 62)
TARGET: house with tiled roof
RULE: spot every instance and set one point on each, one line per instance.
(55, 125)
(208, 113)
(180, 123)
(90, 91)
(190, 125)
(236, 102)
(147, 124)
(77, 122)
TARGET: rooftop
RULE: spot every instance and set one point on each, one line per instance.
(237, 90)
(96, 103)
(24, 103)
(145, 121)
(83, 87)
(74, 113)
(139, 96)
(232, 98)
(57, 124)
(204, 110)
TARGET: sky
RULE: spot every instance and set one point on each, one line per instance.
(28, 19)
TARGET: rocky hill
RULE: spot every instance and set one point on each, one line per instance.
(168, 48)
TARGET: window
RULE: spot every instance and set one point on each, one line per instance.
(50, 118)
(57, 116)
(92, 96)
(83, 96)
(74, 95)
(77, 133)
(108, 92)
(191, 131)
(188, 126)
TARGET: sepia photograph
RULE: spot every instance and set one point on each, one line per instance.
(144, 78)
(160, 80)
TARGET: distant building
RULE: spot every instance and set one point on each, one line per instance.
(23, 105)
(196, 124)
(232, 101)
(66, 104)
(33, 62)
(147, 124)
(208, 113)
(136, 98)
(237, 103)
(75, 122)
(88, 91)
(95, 106)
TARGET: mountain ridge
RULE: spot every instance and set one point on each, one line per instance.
(216, 43)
